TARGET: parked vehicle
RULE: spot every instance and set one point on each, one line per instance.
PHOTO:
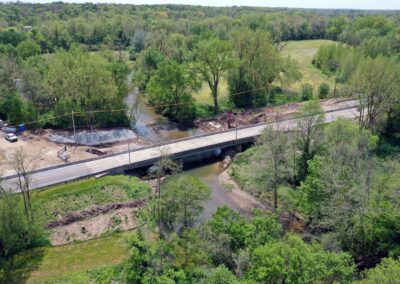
(11, 137)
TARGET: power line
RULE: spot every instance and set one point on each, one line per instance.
(129, 109)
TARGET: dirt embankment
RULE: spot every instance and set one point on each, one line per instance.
(225, 121)
(291, 221)
(93, 222)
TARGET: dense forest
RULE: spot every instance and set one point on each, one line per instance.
(41, 43)
(339, 181)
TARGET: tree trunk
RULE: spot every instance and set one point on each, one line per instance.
(215, 96)
(275, 196)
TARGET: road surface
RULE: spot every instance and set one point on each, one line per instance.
(68, 172)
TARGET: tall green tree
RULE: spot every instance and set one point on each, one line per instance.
(376, 84)
(170, 91)
(310, 134)
(213, 58)
(273, 162)
(259, 65)
(82, 82)
(182, 200)
(120, 71)
(293, 261)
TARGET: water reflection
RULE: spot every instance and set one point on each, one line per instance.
(151, 126)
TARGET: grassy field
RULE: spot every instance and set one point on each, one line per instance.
(203, 96)
(303, 52)
(62, 199)
(71, 262)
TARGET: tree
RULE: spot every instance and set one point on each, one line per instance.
(310, 133)
(293, 261)
(170, 89)
(89, 86)
(273, 162)
(32, 76)
(265, 228)
(28, 48)
(139, 40)
(323, 91)
(23, 166)
(212, 59)
(17, 231)
(120, 71)
(387, 272)
(182, 200)
(376, 83)
(259, 65)
(226, 221)
(307, 92)
(222, 275)
(146, 65)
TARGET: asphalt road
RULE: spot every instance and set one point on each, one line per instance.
(46, 177)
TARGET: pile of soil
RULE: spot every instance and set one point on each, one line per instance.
(225, 121)
(93, 138)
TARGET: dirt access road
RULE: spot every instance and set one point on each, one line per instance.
(262, 115)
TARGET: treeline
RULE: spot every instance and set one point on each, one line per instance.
(368, 63)
(45, 90)
(175, 50)
(60, 24)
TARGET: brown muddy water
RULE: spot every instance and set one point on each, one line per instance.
(208, 172)
(151, 126)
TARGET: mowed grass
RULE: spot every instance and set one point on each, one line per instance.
(303, 52)
(41, 265)
(62, 199)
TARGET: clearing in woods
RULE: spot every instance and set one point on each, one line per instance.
(303, 52)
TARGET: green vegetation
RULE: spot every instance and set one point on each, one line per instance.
(304, 52)
(345, 191)
(20, 232)
(228, 242)
(75, 263)
(62, 199)
(338, 181)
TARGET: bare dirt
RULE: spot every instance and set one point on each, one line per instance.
(240, 197)
(225, 121)
(121, 219)
(44, 152)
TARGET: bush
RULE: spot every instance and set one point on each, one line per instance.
(306, 92)
(323, 91)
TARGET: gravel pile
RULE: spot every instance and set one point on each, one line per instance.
(93, 138)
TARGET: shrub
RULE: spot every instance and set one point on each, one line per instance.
(323, 91)
(306, 92)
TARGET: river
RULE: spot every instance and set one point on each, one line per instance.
(155, 128)
(209, 172)
(151, 126)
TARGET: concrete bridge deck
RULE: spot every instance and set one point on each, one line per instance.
(148, 155)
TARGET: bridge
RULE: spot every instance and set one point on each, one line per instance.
(145, 156)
